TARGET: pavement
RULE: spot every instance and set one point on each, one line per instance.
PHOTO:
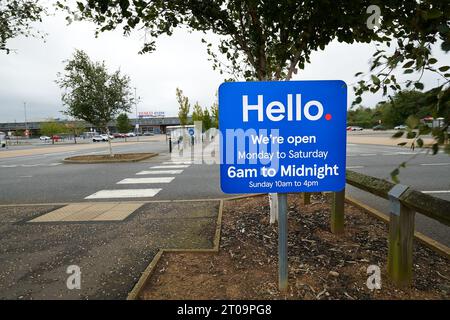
(34, 181)
(111, 256)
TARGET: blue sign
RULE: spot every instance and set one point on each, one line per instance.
(282, 136)
(191, 131)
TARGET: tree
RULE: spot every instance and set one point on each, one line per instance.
(207, 122)
(123, 123)
(260, 39)
(215, 115)
(76, 128)
(17, 18)
(184, 107)
(52, 128)
(92, 94)
(197, 113)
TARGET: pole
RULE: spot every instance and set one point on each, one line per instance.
(170, 144)
(25, 116)
(282, 243)
(137, 117)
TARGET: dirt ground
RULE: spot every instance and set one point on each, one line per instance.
(321, 265)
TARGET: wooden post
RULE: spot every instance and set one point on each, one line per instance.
(401, 235)
(306, 198)
(337, 212)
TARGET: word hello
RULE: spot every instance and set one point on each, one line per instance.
(277, 111)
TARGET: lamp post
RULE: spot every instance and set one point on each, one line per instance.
(25, 116)
(136, 129)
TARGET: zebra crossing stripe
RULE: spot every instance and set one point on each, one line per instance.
(127, 193)
(177, 166)
(146, 180)
(160, 172)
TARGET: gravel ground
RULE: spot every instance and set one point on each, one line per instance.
(34, 257)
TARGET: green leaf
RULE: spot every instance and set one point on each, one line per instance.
(408, 64)
(432, 61)
(444, 68)
(375, 79)
(408, 71)
(418, 85)
(410, 135)
(394, 175)
(398, 134)
(419, 142)
(402, 144)
(412, 122)
(358, 73)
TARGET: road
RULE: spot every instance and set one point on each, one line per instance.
(43, 178)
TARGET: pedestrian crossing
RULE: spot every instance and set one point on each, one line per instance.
(155, 176)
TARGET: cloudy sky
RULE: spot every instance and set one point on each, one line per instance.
(29, 74)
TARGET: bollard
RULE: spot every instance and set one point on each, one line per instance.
(170, 144)
(282, 242)
(401, 235)
(337, 212)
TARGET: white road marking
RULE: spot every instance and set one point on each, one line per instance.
(29, 165)
(55, 164)
(9, 166)
(354, 167)
(25, 176)
(129, 193)
(367, 154)
(177, 162)
(160, 172)
(146, 180)
(436, 164)
(437, 191)
(170, 167)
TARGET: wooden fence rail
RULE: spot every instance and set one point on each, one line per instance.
(405, 202)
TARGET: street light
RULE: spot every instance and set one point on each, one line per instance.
(137, 117)
(25, 116)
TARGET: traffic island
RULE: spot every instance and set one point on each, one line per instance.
(322, 265)
(106, 158)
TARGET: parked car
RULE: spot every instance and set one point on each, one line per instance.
(148, 133)
(354, 128)
(100, 138)
(119, 135)
(44, 138)
(400, 127)
(379, 127)
(131, 134)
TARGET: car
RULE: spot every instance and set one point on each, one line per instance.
(354, 128)
(2, 140)
(119, 135)
(100, 138)
(379, 127)
(400, 127)
(44, 138)
(131, 134)
(148, 133)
